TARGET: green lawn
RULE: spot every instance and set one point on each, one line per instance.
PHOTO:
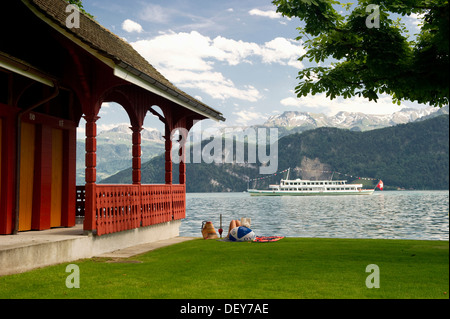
(291, 268)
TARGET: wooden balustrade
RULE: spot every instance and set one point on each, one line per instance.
(124, 207)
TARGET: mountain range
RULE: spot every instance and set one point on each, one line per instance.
(295, 121)
(114, 150)
(114, 146)
(123, 133)
(411, 156)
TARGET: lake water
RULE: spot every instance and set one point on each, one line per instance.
(385, 214)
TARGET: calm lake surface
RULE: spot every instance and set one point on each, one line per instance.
(385, 214)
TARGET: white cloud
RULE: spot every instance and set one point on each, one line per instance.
(246, 118)
(268, 14)
(106, 127)
(291, 101)
(212, 83)
(323, 104)
(131, 26)
(235, 52)
(155, 13)
(416, 20)
(180, 51)
(173, 16)
(189, 60)
(283, 51)
(194, 51)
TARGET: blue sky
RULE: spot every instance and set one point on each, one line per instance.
(239, 57)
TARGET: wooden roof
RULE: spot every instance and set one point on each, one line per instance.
(112, 47)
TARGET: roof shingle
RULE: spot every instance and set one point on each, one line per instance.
(113, 47)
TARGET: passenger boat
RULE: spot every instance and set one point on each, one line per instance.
(301, 187)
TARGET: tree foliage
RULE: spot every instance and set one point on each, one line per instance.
(367, 61)
(79, 4)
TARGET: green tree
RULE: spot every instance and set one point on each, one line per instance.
(367, 59)
(79, 4)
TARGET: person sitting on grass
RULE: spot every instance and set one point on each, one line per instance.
(233, 224)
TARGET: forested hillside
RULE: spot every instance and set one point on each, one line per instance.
(410, 156)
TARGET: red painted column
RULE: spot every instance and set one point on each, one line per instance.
(8, 176)
(182, 154)
(69, 178)
(168, 163)
(90, 172)
(42, 188)
(136, 155)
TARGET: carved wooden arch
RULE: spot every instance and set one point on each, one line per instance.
(120, 97)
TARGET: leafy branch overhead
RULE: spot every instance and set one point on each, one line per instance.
(354, 59)
(79, 4)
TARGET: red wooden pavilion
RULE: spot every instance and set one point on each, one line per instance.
(52, 75)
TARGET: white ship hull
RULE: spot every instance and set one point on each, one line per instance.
(299, 187)
(255, 192)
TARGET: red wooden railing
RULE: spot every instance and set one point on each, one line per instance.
(124, 207)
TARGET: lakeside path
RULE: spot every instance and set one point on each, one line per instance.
(292, 268)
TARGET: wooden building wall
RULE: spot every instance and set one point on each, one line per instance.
(47, 172)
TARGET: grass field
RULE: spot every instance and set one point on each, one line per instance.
(293, 268)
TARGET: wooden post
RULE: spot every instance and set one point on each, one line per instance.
(69, 178)
(182, 154)
(136, 154)
(8, 167)
(91, 172)
(168, 157)
(42, 179)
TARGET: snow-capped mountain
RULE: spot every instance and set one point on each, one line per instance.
(354, 121)
(114, 150)
(122, 134)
